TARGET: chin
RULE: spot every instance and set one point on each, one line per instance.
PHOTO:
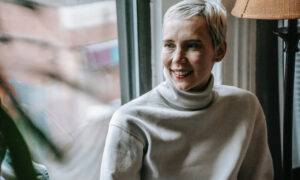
(182, 88)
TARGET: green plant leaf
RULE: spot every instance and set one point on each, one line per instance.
(19, 151)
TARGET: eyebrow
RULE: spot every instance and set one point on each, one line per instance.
(167, 40)
(185, 41)
(193, 41)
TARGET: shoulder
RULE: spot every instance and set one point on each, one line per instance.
(239, 102)
(130, 116)
(237, 95)
(148, 100)
(234, 92)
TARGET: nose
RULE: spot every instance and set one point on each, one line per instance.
(179, 56)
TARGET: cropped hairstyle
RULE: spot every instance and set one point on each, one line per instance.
(213, 12)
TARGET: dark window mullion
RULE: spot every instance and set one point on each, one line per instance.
(134, 35)
(144, 45)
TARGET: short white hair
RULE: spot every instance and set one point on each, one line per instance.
(212, 10)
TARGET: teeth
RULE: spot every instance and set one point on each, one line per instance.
(181, 73)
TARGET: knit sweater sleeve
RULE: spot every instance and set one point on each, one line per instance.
(123, 154)
(257, 164)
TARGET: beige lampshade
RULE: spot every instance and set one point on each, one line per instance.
(267, 9)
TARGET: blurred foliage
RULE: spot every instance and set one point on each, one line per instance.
(20, 155)
(13, 139)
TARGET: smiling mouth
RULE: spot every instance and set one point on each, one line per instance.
(182, 74)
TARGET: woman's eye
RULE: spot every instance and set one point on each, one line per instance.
(193, 46)
(169, 46)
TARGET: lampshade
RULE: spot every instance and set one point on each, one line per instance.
(267, 9)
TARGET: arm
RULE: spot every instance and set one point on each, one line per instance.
(257, 164)
(122, 157)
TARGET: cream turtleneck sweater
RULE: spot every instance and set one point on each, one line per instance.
(168, 134)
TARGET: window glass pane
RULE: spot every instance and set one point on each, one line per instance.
(296, 145)
(62, 59)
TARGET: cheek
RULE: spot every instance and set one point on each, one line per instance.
(201, 63)
(200, 58)
(165, 58)
(195, 58)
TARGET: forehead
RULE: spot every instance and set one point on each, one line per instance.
(194, 26)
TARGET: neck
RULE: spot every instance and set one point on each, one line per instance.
(188, 100)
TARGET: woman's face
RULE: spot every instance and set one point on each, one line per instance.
(188, 54)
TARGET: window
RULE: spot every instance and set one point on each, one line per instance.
(296, 106)
(62, 59)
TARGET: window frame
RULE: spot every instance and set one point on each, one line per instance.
(134, 36)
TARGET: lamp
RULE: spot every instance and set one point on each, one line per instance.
(276, 10)
(267, 9)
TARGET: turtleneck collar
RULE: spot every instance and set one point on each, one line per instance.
(185, 99)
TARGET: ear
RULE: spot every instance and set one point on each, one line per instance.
(221, 51)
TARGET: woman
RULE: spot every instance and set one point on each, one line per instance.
(187, 128)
